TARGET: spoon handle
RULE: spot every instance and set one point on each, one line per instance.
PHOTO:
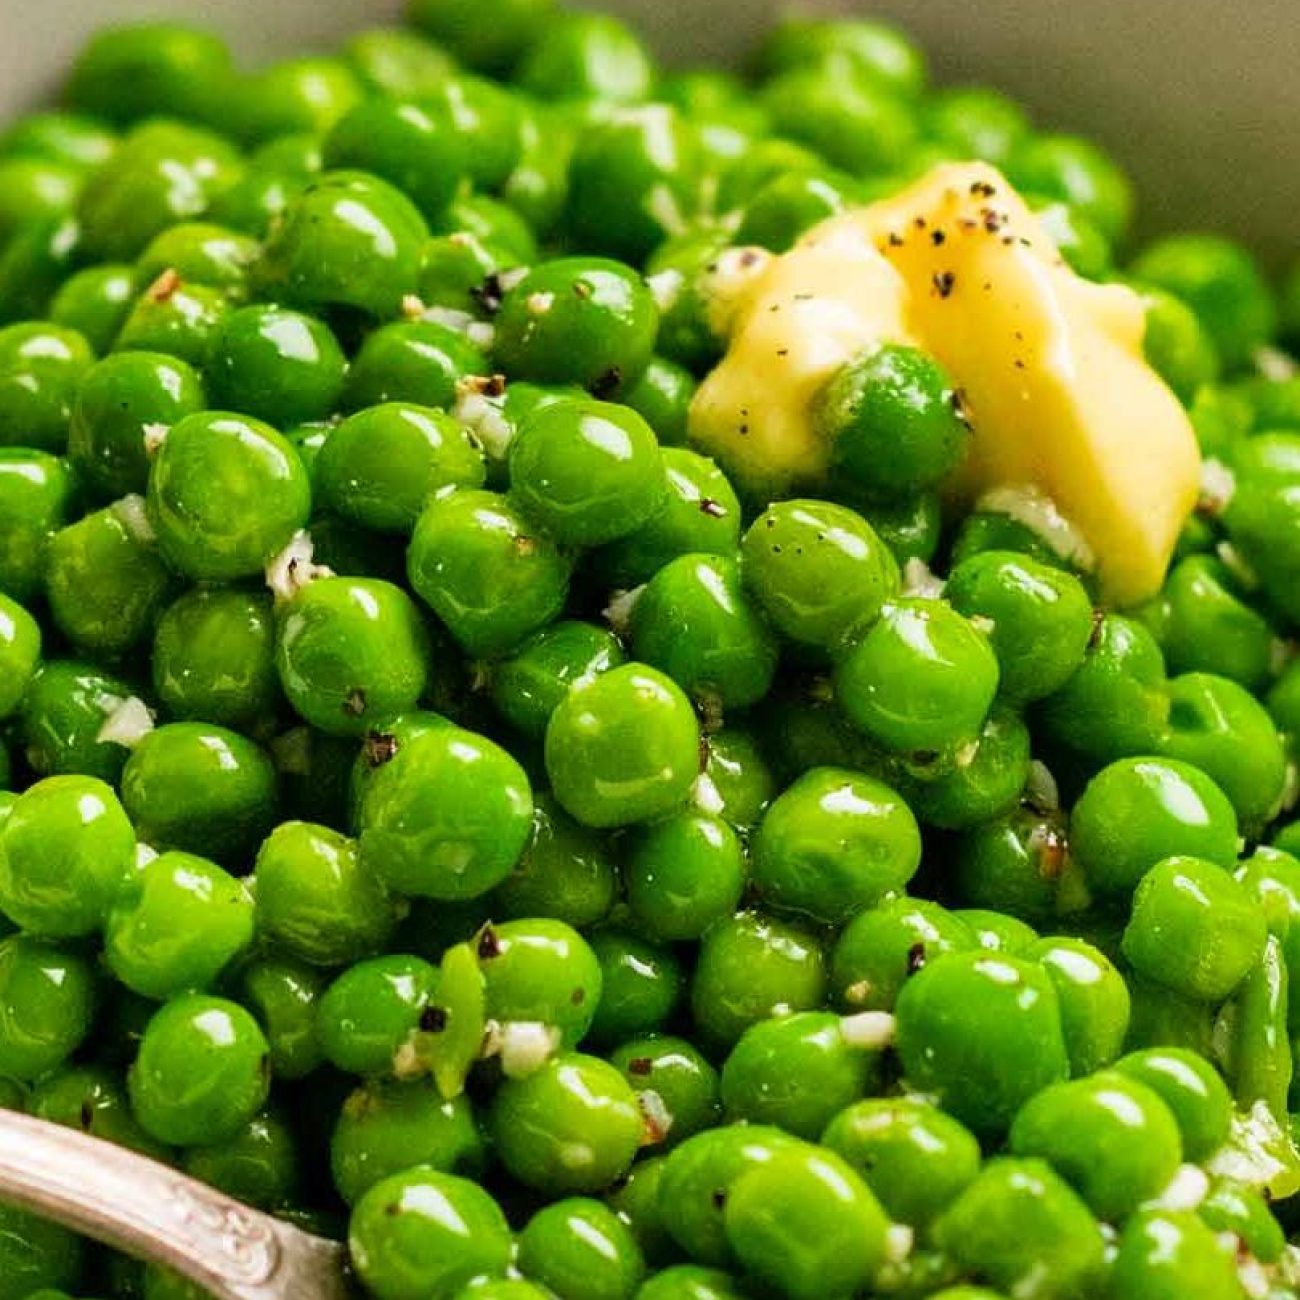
(154, 1213)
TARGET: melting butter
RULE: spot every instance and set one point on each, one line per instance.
(1048, 367)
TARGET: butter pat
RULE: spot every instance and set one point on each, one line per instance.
(1048, 367)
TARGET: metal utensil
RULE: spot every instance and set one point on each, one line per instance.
(154, 1213)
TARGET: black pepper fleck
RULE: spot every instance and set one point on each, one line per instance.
(489, 945)
(944, 283)
(433, 1020)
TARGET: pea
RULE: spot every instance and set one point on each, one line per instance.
(572, 1126)
(419, 361)
(589, 472)
(283, 995)
(201, 789)
(1115, 705)
(641, 986)
(448, 817)
(587, 56)
(690, 1282)
(737, 781)
(1162, 1252)
(878, 49)
(386, 1126)
(1019, 1225)
(47, 1006)
(1094, 1000)
(422, 1234)
(806, 1222)
(580, 1248)
(348, 240)
(486, 570)
(492, 40)
(749, 966)
(915, 1158)
(818, 571)
(698, 1178)
(59, 136)
(935, 669)
(788, 205)
(623, 747)
(93, 1100)
(301, 94)
(677, 1086)
(662, 397)
(1164, 806)
(694, 621)
(1194, 929)
(982, 1032)
(1076, 171)
(1220, 282)
(35, 190)
(213, 657)
(976, 122)
(20, 653)
(258, 1166)
(698, 514)
(64, 711)
(95, 302)
(177, 924)
(381, 465)
(41, 367)
(581, 320)
(202, 1071)
(33, 264)
(35, 1254)
(882, 946)
(909, 528)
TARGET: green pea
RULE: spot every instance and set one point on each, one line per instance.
(698, 1178)
(982, 1033)
(369, 1020)
(1221, 283)
(788, 205)
(641, 162)
(1162, 1018)
(202, 1071)
(528, 687)
(105, 581)
(486, 571)
(834, 843)
(1163, 1253)
(36, 495)
(683, 874)
(690, 1282)
(226, 493)
(807, 1223)
(641, 986)
(202, 252)
(750, 967)
(256, 203)
(308, 93)
(41, 366)
(47, 1005)
(1116, 704)
(258, 1165)
(914, 1157)
(797, 1072)
(35, 1253)
(921, 681)
(386, 1126)
(201, 789)
(1078, 172)
(135, 71)
(448, 817)
(214, 657)
(911, 529)
(1094, 1000)
(64, 711)
(694, 622)
(581, 320)
(976, 122)
(1020, 864)
(1177, 345)
(93, 1100)
(572, 1126)
(998, 932)
(317, 899)
(283, 995)
(59, 136)
(33, 264)
(541, 970)
(678, 1087)
(493, 124)
(662, 397)
(623, 747)
(1137, 811)
(20, 654)
(1194, 929)
(581, 1248)
(176, 925)
(818, 571)
(458, 271)
(66, 849)
(1253, 1034)
(33, 190)
(95, 302)
(419, 361)
(349, 240)
(1221, 728)
(737, 783)
(381, 466)
(884, 945)
(587, 56)
(1020, 1227)
(698, 515)
(686, 267)
(422, 1234)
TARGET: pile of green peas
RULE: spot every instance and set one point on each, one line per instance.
(436, 808)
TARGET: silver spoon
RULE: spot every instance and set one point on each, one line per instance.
(154, 1213)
